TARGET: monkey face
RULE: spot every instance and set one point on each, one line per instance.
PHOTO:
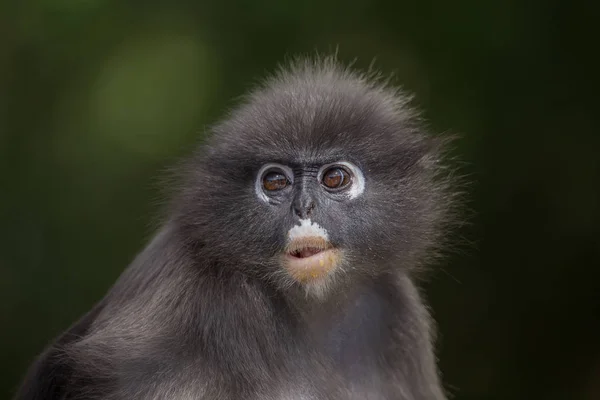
(313, 180)
(305, 191)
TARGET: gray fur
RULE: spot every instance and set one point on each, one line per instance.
(205, 311)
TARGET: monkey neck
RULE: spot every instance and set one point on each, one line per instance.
(344, 310)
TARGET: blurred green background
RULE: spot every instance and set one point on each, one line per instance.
(98, 97)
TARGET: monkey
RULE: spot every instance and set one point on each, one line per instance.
(287, 263)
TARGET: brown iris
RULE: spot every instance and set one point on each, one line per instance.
(336, 178)
(274, 180)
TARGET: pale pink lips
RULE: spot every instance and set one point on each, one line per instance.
(305, 252)
(307, 246)
(309, 258)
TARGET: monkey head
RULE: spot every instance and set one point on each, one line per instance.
(321, 174)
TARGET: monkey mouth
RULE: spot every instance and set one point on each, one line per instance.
(305, 252)
(310, 258)
(307, 247)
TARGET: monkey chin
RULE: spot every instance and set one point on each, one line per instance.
(310, 259)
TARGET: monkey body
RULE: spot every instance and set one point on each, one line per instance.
(295, 282)
(251, 343)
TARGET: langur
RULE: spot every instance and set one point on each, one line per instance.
(285, 265)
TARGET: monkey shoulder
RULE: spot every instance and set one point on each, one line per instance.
(50, 377)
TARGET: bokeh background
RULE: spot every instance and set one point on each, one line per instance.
(98, 97)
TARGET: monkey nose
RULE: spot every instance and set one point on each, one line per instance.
(303, 207)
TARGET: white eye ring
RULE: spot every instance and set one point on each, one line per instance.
(258, 185)
(357, 186)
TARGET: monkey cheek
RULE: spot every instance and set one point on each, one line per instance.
(313, 268)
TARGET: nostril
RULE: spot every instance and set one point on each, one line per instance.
(304, 211)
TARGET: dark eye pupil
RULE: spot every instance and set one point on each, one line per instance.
(274, 181)
(335, 178)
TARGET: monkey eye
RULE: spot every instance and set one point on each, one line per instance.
(275, 180)
(336, 178)
(272, 181)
